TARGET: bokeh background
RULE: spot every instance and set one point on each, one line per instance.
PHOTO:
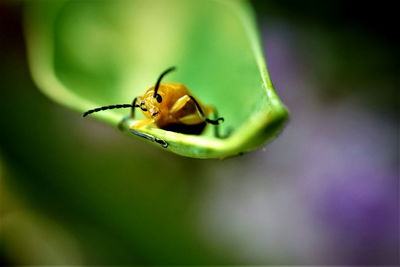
(326, 191)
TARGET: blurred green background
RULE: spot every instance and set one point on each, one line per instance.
(77, 191)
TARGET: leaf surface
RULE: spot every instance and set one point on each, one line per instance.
(87, 54)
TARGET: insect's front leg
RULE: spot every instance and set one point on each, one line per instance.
(179, 104)
(163, 143)
(143, 123)
(131, 116)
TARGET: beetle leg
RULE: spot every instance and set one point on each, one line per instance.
(214, 122)
(134, 105)
(216, 127)
(142, 123)
(179, 104)
(131, 116)
(191, 119)
(163, 143)
(122, 122)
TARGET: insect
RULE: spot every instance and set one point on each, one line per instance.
(169, 106)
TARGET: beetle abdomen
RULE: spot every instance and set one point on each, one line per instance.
(185, 129)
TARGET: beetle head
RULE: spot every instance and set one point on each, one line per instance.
(149, 105)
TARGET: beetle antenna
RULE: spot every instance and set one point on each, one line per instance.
(160, 78)
(107, 107)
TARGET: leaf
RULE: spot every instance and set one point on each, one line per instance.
(87, 54)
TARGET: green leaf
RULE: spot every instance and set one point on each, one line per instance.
(87, 54)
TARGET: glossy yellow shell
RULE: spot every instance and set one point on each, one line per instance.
(164, 113)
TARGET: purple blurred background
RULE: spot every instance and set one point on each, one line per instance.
(327, 190)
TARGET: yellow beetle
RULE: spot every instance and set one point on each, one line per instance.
(170, 106)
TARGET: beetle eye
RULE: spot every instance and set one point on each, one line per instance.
(159, 98)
